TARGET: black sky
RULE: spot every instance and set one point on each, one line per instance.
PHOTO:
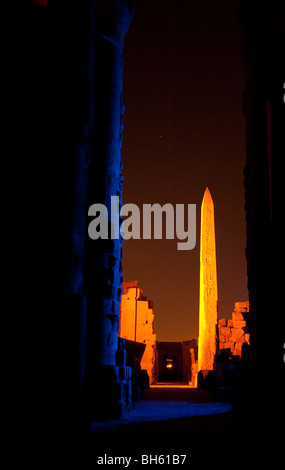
(184, 130)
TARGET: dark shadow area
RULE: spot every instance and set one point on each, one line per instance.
(193, 436)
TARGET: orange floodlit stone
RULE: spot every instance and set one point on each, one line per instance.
(208, 314)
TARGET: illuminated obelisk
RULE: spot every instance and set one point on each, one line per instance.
(208, 312)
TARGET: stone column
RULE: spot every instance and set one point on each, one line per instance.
(208, 314)
(264, 108)
(103, 269)
(52, 126)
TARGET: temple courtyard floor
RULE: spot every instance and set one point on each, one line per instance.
(173, 419)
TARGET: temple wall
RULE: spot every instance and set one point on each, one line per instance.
(136, 324)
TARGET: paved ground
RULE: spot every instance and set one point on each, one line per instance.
(167, 402)
(180, 420)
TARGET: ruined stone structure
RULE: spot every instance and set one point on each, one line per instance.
(136, 324)
(64, 137)
(208, 314)
(234, 332)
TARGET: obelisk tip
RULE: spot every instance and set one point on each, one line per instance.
(207, 196)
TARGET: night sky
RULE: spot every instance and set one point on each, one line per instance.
(184, 130)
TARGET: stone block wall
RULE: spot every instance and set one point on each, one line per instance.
(136, 323)
(233, 333)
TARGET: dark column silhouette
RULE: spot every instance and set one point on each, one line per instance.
(264, 108)
(65, 120)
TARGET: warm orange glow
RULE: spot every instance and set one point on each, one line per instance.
(169, 366)
(136, 323)
(208, 315)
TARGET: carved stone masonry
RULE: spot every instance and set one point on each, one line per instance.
(208, 315)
